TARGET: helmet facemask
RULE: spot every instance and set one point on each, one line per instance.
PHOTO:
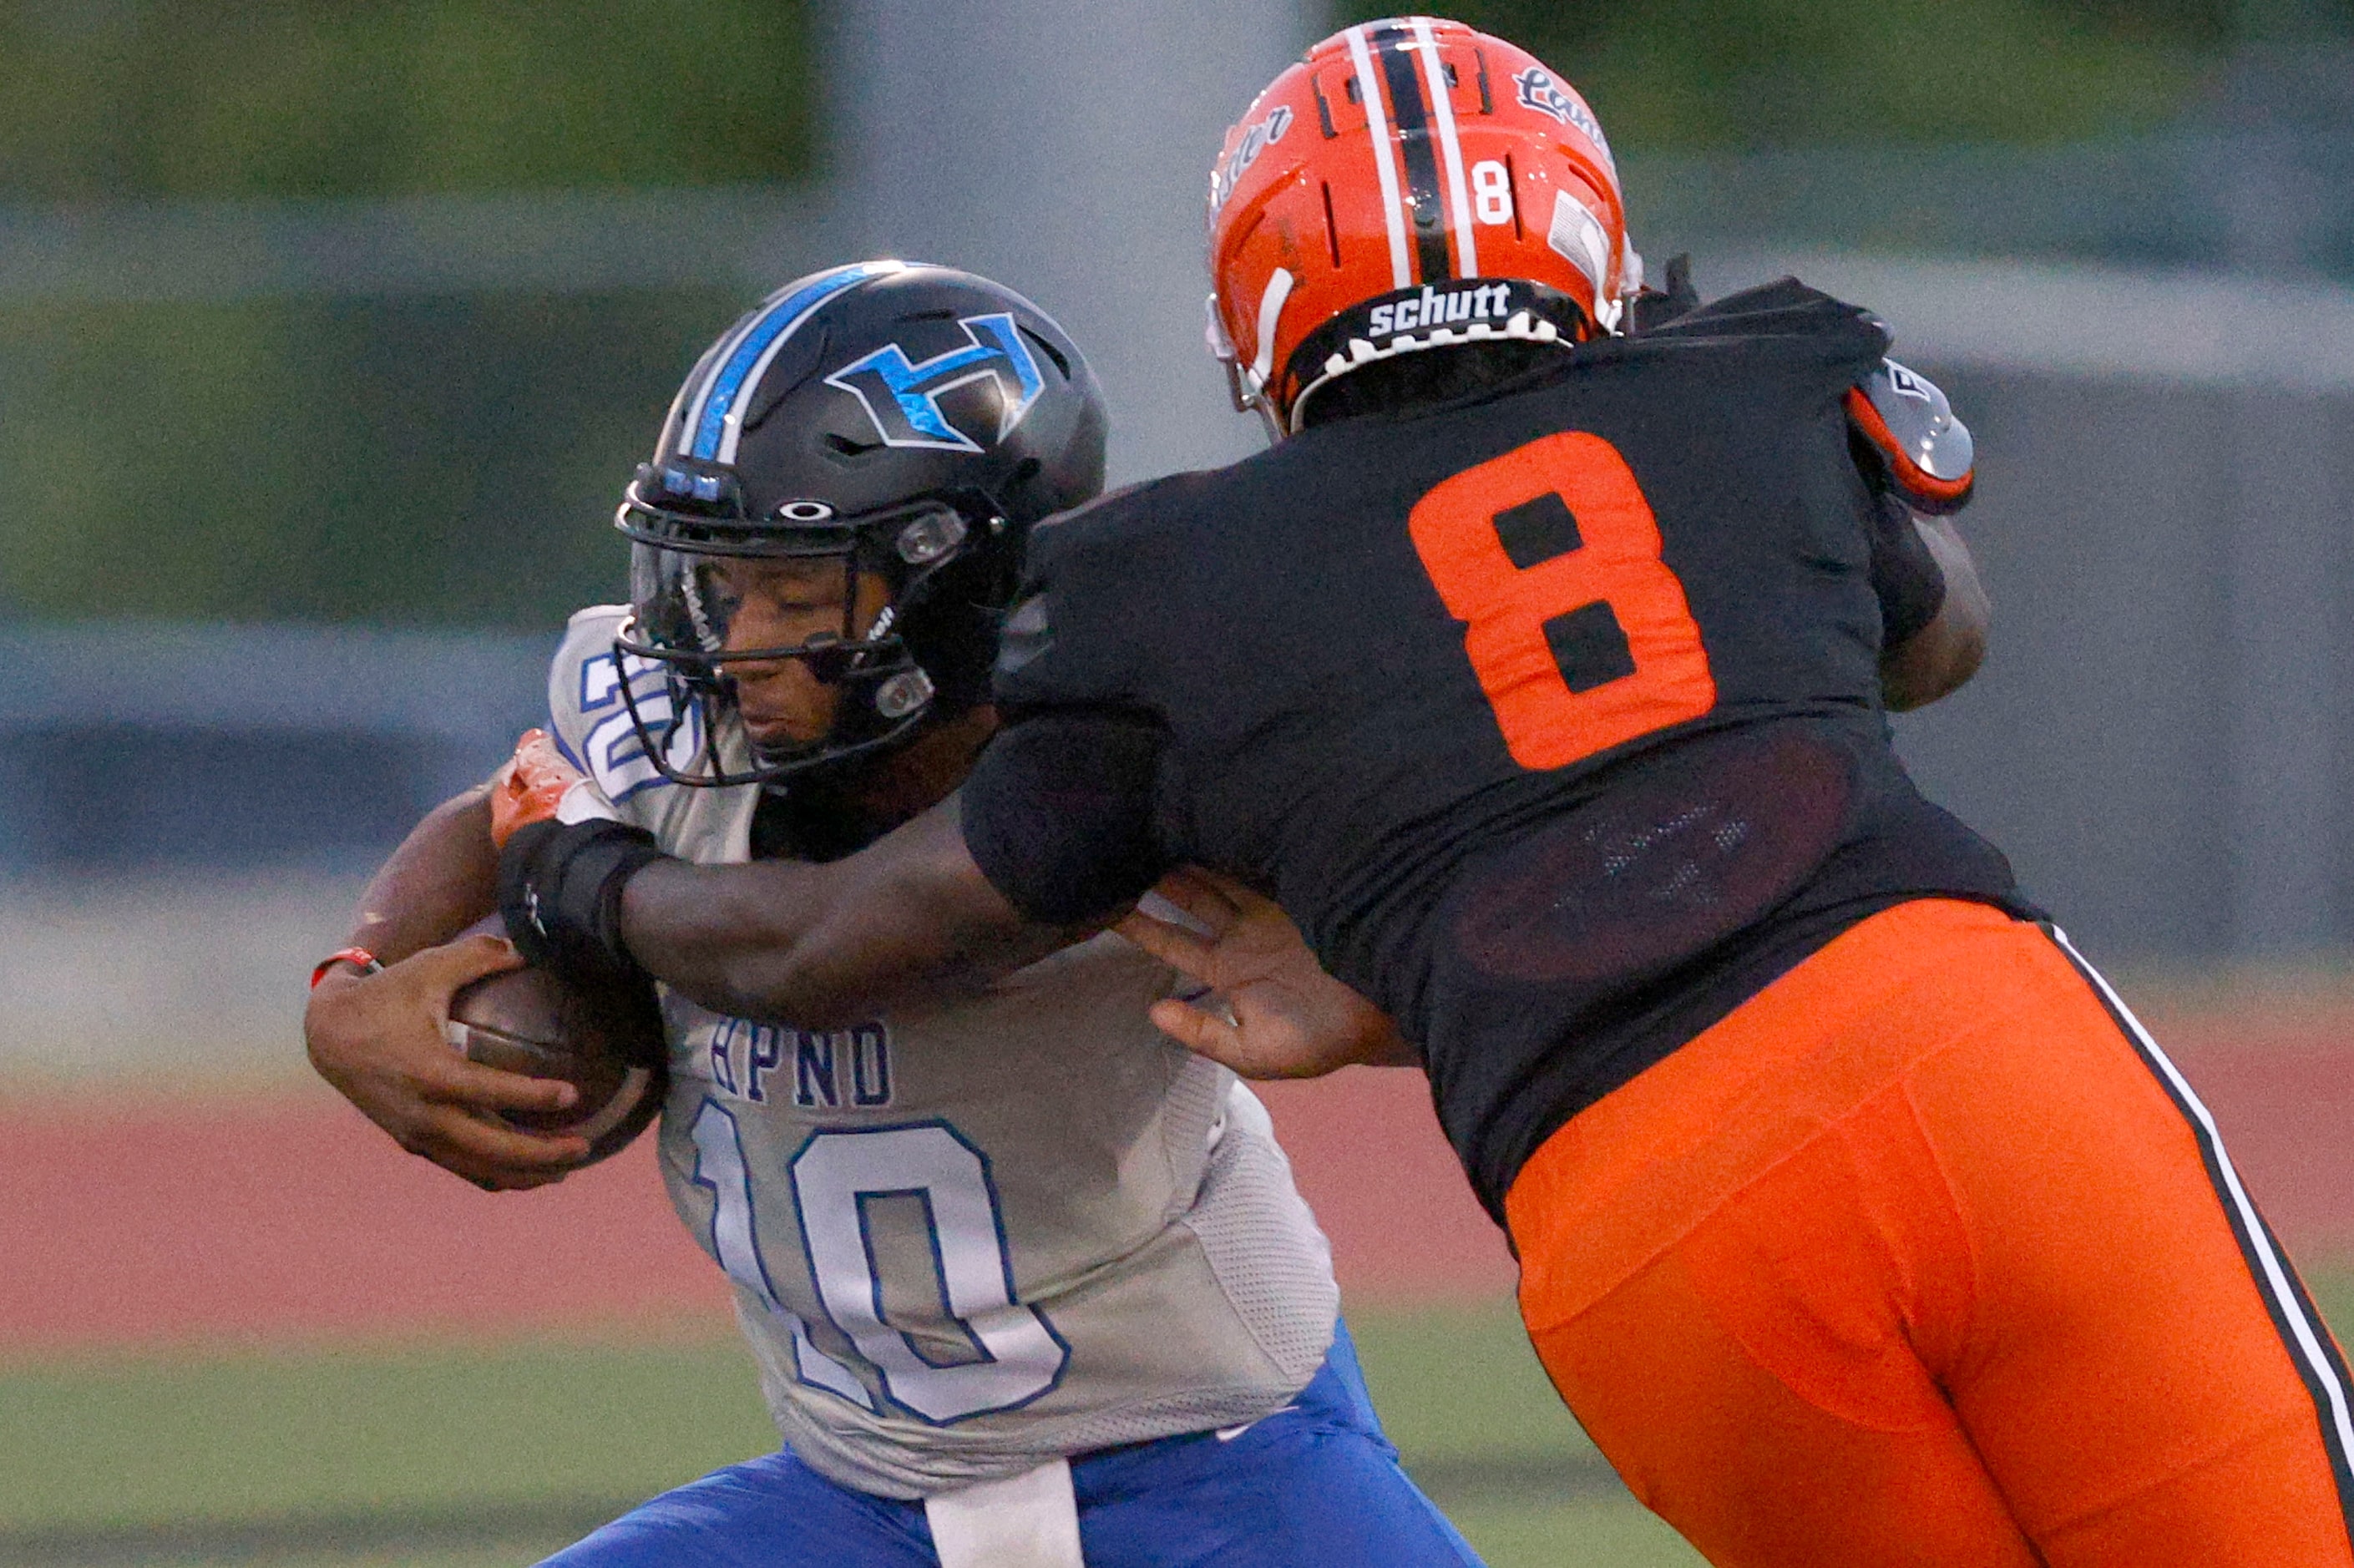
(723, 603)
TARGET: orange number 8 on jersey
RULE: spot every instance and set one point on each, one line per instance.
(1580, 634)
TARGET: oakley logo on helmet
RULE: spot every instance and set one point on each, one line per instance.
(903, 398)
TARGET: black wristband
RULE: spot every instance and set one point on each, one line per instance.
(560, 892)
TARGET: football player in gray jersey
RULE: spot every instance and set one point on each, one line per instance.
(1026, 1282)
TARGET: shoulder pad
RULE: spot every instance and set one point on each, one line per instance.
(1070, 638)
(1928, 451)
(586, 713)
(604, 615)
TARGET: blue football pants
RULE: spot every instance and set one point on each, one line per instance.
(1314, 1484)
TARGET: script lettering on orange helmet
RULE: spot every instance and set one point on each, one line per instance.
(1257, 139)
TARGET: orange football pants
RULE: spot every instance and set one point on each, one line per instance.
(1926, 1255)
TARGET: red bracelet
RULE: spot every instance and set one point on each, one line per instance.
(365, 960)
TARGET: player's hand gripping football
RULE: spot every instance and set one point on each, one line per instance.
(380, 1038)
(1284, 1016)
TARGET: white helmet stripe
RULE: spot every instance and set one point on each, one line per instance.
(1459, 192)
(1377, 121)
(714, 420)
(696, 392)
(1270, 312)
(687, 389)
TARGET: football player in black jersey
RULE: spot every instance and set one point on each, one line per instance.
(1538, 673)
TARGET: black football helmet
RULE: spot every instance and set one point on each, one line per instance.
(908, 421)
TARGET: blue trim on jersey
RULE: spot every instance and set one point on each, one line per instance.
(768, 1286)
(977, 1352)
(775, 320)
(587, 674)
(1313, 1485)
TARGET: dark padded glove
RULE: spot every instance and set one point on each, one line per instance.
(1657, 307)
(560, 892)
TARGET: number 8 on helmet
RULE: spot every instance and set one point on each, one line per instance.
(1408, 185)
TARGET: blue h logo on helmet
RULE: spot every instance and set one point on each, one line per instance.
(903, 399)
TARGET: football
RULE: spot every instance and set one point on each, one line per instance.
(607, 1043)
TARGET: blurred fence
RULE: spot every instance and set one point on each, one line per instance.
(186, 811)
(128, 747)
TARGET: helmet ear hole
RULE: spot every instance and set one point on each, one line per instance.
(1062, 362)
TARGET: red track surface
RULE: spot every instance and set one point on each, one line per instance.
(290, 1218)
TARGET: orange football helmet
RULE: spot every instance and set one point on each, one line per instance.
(1408, 185)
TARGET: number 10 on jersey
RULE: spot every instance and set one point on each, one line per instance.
(1579, 632)
(1016, 1355)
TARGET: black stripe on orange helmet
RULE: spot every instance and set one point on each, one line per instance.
(1393, 45)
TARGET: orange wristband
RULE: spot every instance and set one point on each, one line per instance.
(365, 960)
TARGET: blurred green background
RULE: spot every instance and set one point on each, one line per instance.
(449, 458)
(118, 98)
(1687, 74)
(121, 98)
(445, 1455)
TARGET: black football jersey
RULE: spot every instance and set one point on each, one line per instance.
(1552, 715)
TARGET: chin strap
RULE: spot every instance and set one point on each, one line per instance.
(560, 892)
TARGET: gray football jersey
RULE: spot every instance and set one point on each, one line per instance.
(968, 1239)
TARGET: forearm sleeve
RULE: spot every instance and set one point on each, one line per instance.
(1906, 576)
(1058, 813)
